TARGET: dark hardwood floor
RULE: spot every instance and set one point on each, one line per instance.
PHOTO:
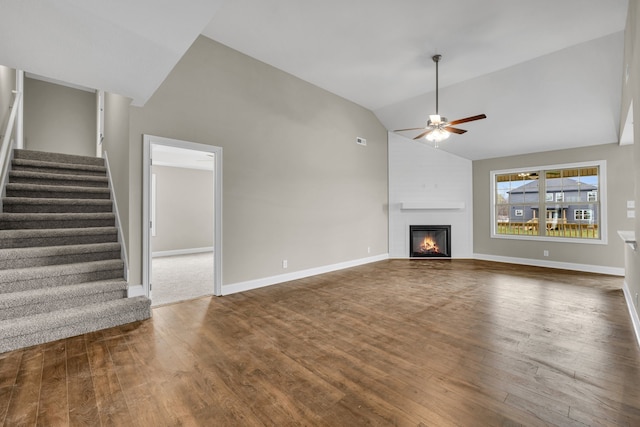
(399, 342)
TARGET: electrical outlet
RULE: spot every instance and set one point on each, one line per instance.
(284, 263)
(368, 249)
(546, 253)
(361, 141)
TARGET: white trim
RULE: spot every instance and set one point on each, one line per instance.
(189, 251)
(99, 121)
(112, 193)
(431, 205)
(602, 185)
(20, 115)
(136, 291)
(153, 201)
(181, 166)
(587, 268)
(148, 140)
(281, 278)
(633, 313)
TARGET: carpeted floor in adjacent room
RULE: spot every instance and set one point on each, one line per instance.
(181, 277)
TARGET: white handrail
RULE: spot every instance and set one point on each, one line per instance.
(7, 143)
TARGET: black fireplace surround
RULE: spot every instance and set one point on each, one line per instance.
(430, 241)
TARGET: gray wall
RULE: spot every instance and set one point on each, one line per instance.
(631, 92)
(620, 188)
(59, 119)
(116, 145)
(7, 84)
(296, 185)
(184, 209)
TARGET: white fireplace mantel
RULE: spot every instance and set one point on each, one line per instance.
(629, 237)
(431, 205)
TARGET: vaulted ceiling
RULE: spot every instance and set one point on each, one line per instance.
(547, 73)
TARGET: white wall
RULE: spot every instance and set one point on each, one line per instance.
(184, 209)
(59, 119)
(296, 186)
(420, 173)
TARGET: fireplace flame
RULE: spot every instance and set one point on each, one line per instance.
(429, 245)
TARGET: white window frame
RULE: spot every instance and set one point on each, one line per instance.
(583, 217)
(592, 196)
(559, 197)
(518, 212)
(602, 185)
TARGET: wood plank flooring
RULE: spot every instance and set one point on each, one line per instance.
(398, 342)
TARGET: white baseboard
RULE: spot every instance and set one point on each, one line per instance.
(268, 281)
(135, 291)
(587, 268)
(189, 251)
(633, 312)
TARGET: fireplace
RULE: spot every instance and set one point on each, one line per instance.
(427, 241)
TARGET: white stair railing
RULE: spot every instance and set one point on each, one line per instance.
(7, 144)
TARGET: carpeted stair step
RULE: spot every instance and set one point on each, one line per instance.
(20, 221)
(55, 255)
(56, 237)
(53, 167)
(46, 327)
(57, 157)
(39, 178)
(42, 205)
(56, 191)
(24, 279)
(28, 303)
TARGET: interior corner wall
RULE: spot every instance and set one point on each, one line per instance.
(59, 119)
(296, 186)
(619, 191)
(422, 174)
(116, 145)
(184, 209)
(7, 85)
(631, 93)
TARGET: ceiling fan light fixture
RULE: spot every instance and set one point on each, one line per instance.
(437, 135)
(438, 128)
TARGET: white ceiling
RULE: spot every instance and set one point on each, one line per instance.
(547, 73)
(120, 46)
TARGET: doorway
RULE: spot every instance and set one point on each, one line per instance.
(182, 219)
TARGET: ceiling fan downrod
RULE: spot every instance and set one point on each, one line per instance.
(436, 59)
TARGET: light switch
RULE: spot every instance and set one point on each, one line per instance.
(631, 204)
(631, 214)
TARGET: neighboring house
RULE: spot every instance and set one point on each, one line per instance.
(567, 200)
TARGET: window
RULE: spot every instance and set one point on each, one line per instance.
(583, 214)
(559, 202)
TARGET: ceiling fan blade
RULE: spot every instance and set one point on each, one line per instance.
(423, 134)
(455, 130)
(468, 119)
(402, 130)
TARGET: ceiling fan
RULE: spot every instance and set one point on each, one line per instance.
(438, 128)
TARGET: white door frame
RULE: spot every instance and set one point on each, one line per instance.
(149, 140)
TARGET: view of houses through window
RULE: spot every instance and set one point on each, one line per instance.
(554, 201)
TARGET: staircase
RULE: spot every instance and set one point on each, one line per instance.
(61, 270)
